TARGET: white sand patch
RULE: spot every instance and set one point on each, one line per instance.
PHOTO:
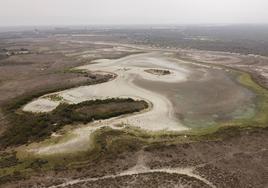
(41, 105)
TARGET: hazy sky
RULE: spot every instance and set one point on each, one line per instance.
(68, 12)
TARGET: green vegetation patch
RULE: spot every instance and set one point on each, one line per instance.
(55, 97)
(28, 127)
(158, 72)
(8, 159)
(261, 117)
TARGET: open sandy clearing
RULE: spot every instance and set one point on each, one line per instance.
(42, 105)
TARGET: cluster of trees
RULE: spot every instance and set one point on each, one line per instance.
(28, 127)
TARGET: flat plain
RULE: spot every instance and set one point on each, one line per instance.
(115, 108)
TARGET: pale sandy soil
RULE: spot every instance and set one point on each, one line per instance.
(41, 105)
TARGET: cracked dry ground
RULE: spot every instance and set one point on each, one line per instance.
(238, 159)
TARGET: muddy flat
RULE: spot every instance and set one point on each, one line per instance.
(191, 96)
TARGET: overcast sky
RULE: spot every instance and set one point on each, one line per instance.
(87, 12)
